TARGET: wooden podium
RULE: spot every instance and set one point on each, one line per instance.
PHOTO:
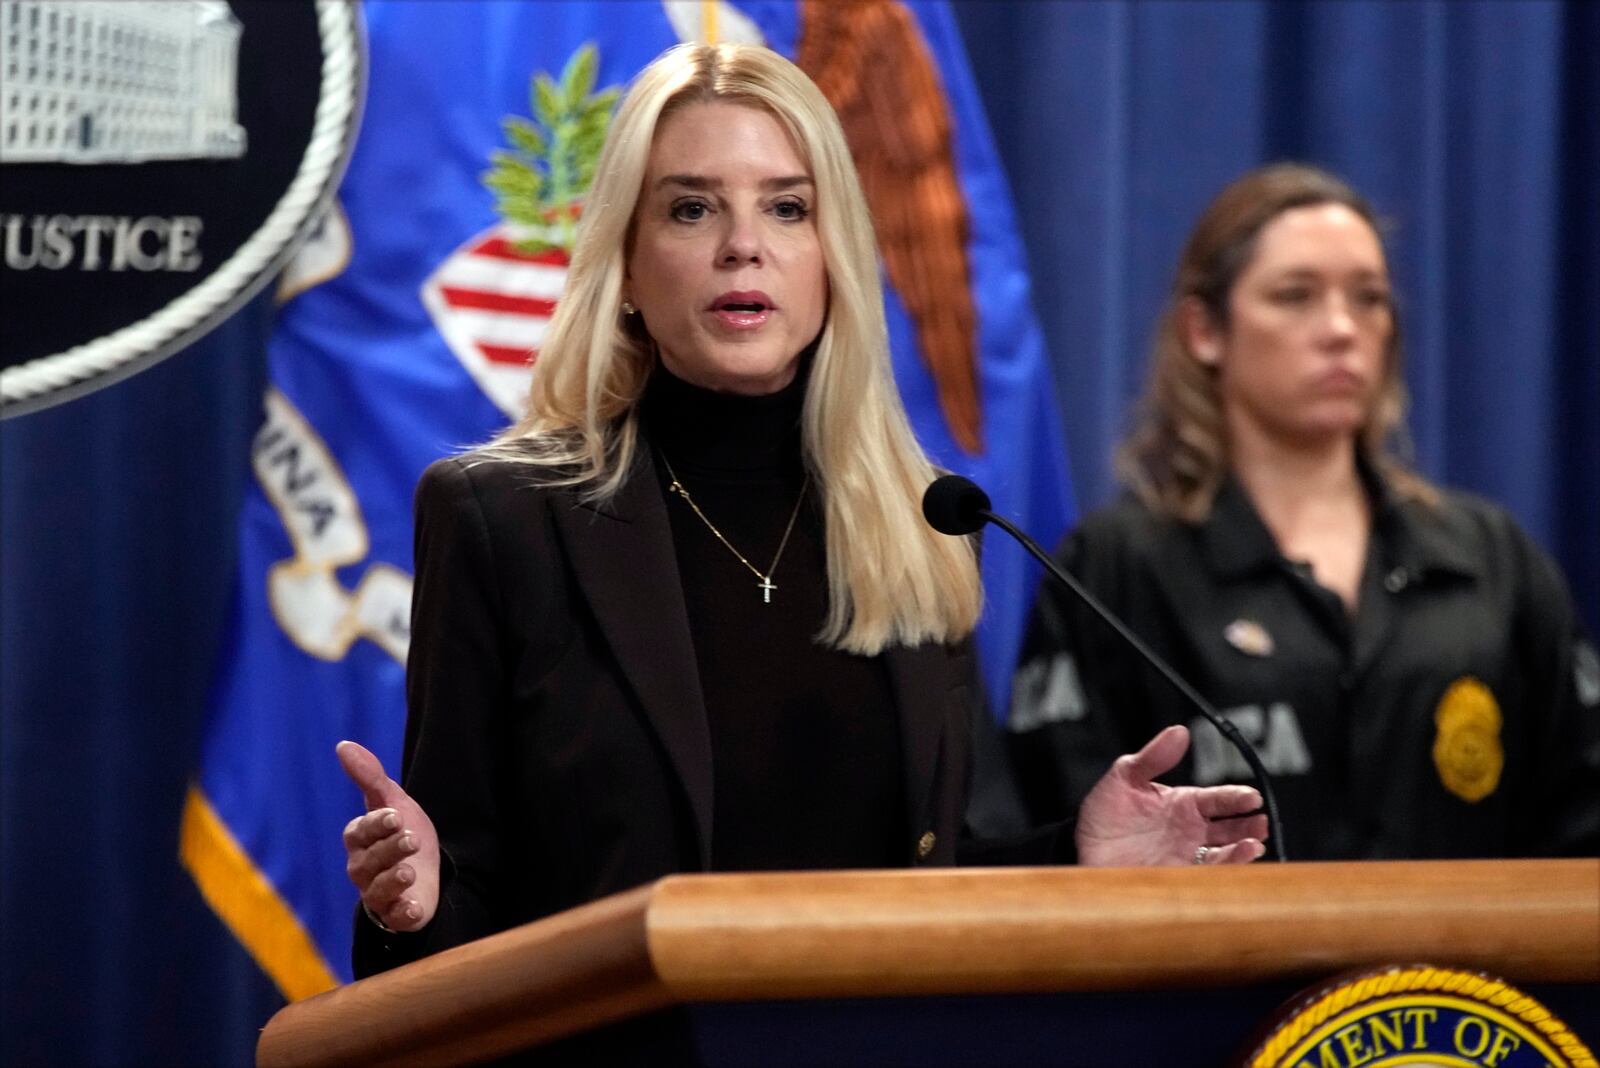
(975, 955)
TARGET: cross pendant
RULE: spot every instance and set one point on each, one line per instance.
(766, 587)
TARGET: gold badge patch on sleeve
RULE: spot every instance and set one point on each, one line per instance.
(1467, 749)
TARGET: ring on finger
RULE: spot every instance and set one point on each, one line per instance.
(1201, 853)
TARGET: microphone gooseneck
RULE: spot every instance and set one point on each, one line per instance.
(955, 505)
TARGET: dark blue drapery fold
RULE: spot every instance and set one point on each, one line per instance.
(1469, 125)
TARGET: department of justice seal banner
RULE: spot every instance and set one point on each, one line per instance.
(1419, 1015)
(158, 163)
(411, 324)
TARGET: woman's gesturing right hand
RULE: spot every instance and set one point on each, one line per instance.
(392, 851)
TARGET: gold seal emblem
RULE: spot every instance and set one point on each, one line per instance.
(1418, 1015)
(1467, 749)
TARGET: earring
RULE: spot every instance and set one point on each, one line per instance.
(628, 308)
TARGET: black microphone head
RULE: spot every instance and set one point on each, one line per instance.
(952, 505)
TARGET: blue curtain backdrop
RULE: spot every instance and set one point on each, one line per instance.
(1470, 124)
(117, 541)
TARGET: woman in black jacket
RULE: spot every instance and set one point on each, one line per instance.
(686, 615)
(1406, 660)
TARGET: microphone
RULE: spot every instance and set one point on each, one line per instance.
(957, 506)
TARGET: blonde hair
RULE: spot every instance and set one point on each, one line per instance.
(891, 578)
(1177, 455)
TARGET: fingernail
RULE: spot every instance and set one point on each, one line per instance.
(404, 875)
(391, 821)
(408, 843)
(413, 912)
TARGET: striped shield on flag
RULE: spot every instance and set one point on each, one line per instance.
(491, 302)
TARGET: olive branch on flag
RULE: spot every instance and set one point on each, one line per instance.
(540, 181)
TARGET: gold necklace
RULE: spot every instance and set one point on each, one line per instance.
(765, 585)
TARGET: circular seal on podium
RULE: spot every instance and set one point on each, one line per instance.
(1417, 1015)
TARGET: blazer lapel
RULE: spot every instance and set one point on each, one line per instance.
(623, 558)
(921, 683)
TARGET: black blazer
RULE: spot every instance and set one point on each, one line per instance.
(557, 734)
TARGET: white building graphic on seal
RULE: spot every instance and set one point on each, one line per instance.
(118, 81)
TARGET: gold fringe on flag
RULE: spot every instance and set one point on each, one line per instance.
(248, 902)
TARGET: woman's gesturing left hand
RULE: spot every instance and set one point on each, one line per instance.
(393, 851)
(1130, 820)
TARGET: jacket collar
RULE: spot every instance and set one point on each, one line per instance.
(640, 608)
(1233, 538)
(623, 558)
(1413, 535)
(1416, 536)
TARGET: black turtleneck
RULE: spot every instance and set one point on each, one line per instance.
(805, 740)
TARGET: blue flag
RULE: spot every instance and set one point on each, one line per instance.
(405, 334)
